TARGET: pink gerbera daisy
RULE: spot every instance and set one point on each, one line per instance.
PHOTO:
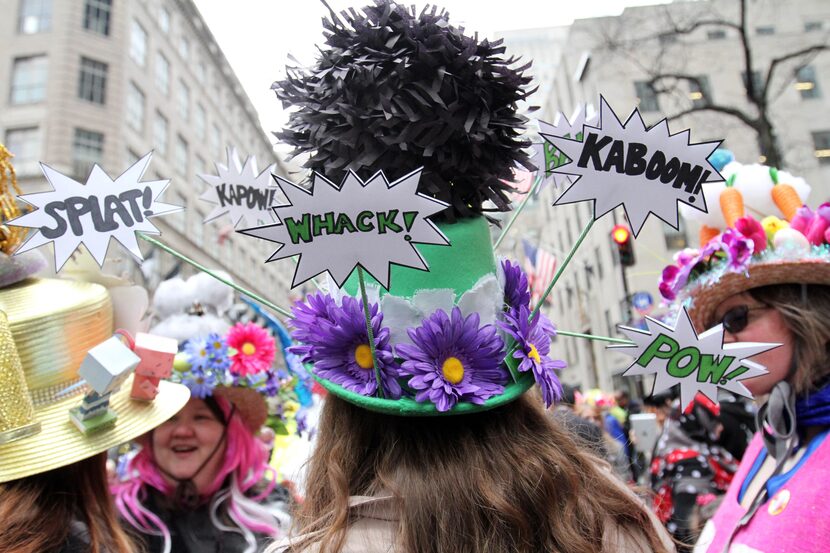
(255, 349)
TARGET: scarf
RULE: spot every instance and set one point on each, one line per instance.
(813, 409)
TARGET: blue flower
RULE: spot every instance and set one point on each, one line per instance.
(200, 383)
(197, 352)
(453, 360)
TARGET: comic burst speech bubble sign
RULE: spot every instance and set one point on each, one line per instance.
(701, 363)
(73, 213)
(372, 224)
(241, 192)
(545, 154)
(645, 170)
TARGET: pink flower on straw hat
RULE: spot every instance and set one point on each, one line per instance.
(255, 349)
(753, 230)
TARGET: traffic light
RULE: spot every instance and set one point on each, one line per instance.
(621, 235)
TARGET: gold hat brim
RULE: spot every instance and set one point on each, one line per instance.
(60, 443)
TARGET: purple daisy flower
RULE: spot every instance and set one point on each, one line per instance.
(341, 351)
(516, 286)
(739, 248)
(306, 321)
(197, 353)
(201, 383)
(216, 346)
(533, 349)
(451, 359)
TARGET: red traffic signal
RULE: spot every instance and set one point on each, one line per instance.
(621, 235)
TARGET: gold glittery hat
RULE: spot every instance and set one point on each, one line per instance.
(17, 415)
(53, 324)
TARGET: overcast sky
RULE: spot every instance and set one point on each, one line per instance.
(258, 35)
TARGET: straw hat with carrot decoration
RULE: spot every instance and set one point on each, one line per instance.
(762, 234)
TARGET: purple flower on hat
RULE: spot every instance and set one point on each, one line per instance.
(752, 229)
(738, 248)
(197, 353)
(306, 322)
(452, 359)
(341, 351)
(533, 350)
(516, 286)
(200, 383)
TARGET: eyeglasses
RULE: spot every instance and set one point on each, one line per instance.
(736, 319)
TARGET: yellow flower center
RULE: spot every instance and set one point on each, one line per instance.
(202, 352)
(453, 370)
(217, 345)
(363, 356)
(248, 348)
(534, 354)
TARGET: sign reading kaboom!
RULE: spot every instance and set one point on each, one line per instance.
(646, 170)
(336, 228)
(698, 363)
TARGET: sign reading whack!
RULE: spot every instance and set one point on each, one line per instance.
(73, 213)
(372, 224)
(646, 170)
(698, 363)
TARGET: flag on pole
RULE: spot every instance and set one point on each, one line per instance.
(540, 267)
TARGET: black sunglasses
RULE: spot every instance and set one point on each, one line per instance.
(736, 319)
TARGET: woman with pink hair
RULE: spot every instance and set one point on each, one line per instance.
(201, 481)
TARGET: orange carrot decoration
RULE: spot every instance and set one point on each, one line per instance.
(706, 234)
(784, 196)
(731, 203)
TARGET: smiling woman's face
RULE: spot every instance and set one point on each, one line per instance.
(182, 444)
(763, 324)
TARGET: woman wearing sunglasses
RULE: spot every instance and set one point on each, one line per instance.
(770, 283)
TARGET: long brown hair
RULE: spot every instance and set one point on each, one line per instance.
(509, 479)
(805, 309)
(37, 511)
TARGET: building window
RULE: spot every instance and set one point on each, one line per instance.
(716, 34)
(647, 98)
(162, 73)
(92, 85)
(201, 72)
(28, 80)
(199, 121)
(765, 30)
(138, 44)
(608, 324)
(97, 16)
(676, 239)
(181, 155)
(164, 20)
(184, 48)
(667, 38)
(24, 143)
(811, 26)
(821, 143)
(215, 140)
(201, 165)
(184, 100)
(160, 133)
(598, 255)
(197, 230)
(135, 108)
(700, 93)
(35, 16)
(87, 150)
(806, 83)
(757, 82)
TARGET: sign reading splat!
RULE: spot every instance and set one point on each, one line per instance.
(698, 363)
(336, 228)
(646, 170)
(73, 213)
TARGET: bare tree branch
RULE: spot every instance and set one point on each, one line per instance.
(726, 110)
(776, 62)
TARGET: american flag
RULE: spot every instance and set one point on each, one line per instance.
(540, 267)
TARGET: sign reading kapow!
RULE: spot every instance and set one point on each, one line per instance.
(646, 170)
(336, 228)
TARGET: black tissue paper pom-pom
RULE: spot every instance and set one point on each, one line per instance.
(396, 90)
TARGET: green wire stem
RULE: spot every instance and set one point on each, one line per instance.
(215, 275)
(561, 268)
(593, 337)
(518, 211)
(369, 329)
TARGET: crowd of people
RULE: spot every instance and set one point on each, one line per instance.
(433, 435)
